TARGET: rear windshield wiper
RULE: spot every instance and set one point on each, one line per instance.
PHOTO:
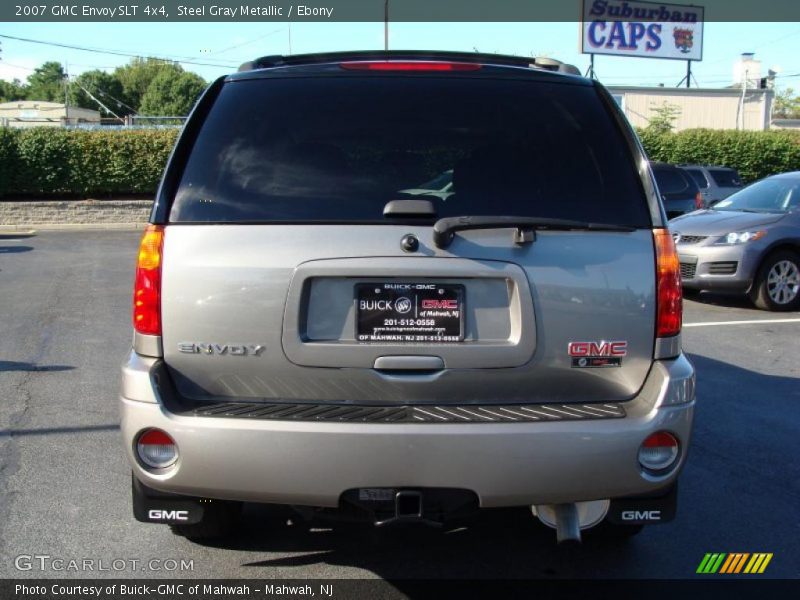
(444, 229)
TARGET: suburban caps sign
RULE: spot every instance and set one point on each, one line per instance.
(644, 29)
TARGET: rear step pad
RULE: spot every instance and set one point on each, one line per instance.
(411, 414)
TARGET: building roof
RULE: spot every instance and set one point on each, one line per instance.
(45, 109)
(684, 91)
(38, 104)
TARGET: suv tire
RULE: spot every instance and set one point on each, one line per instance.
(777, 284)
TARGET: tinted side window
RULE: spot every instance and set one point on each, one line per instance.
(699, 177)
(328, 149)
(768, 195)
(725, 177)
(670, 180)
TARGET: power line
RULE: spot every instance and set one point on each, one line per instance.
(8, 64)
(88, 93)
(101, 92)
(249, 41)
(116, 53)
(760, 46)
(117, 100)
(98, 67)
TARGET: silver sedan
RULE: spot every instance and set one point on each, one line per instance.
(748, 243)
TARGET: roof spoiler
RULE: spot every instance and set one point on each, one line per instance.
(541, 62)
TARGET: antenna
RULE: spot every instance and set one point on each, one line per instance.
(386, 25)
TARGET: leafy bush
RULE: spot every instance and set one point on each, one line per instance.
(44, 161)
(755, 154)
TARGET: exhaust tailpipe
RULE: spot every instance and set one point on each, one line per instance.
(569, 518)
(568, 525)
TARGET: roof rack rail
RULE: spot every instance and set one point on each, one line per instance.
(540, 62)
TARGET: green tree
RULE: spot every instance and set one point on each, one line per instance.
(664, 117)
(137, 76)
(787, 105)
(47, 83)
(12, 90)
(172, 95)
(103, 86)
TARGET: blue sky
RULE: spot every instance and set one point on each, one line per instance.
(229, 44)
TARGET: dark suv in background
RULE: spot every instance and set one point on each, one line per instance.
(715, 183)
(678, 189)
(312, 331)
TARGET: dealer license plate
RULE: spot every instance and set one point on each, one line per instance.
(409, 312)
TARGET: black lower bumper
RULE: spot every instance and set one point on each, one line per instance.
(644, 510)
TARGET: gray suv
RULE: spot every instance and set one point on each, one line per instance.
(309, 334)
(715, 183)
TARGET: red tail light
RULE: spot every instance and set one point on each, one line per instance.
(698, 201)
(659, 451)
(668, 274)
(660, 439)
(156, 449)
(386, 65)
(147, 285)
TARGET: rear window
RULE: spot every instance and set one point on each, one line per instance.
(671, 180)
(337, 149)
(725, 177)
(699, 177)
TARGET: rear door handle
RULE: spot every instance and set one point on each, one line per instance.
(408, 363)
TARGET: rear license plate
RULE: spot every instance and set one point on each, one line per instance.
(409, 312)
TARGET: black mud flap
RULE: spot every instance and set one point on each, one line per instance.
(152, 506)
(644, 510)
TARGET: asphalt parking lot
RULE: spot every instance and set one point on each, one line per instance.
(64, 482)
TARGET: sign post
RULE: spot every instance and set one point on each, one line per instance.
(590, 72)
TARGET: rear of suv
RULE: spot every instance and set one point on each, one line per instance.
(309, 333)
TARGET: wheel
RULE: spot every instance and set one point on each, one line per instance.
(777, 284)
(219, 520)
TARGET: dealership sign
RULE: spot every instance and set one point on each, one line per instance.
(643, 29)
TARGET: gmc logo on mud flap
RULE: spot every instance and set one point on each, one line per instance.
(168, 515)
(581, 349)
(448, 304)
(641, 515)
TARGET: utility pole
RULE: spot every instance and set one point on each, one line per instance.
(66, 93)
(386, 25)
(740, 111)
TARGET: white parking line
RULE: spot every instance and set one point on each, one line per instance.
(750, 322)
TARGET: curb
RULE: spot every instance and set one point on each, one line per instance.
(30, 227)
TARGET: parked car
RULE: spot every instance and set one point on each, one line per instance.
(715, 183)
(678, 189)
(306, 334)
(748, 243)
